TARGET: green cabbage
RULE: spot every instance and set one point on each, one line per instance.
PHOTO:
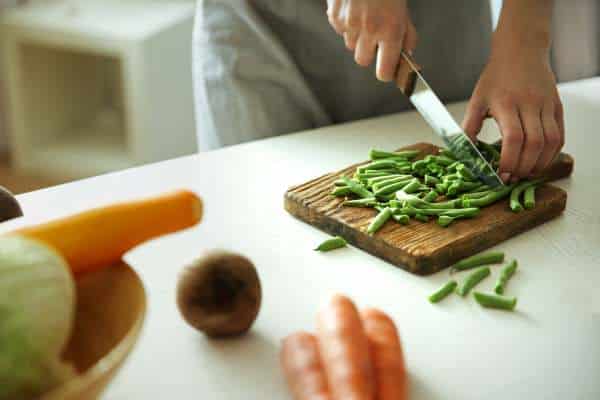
(37, 307)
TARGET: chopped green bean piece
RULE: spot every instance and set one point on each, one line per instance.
(488, 199)
(473, 280)
(492, 257)
(529, 197)
(431, 180)
(413, 186)
(465, 173)
(357, 188)
(515, 205)
(452, 167)
(336, 242)
(506, 273)
(379, 220)
(375, 154)
(443, 292)
(445, 220)
(401, 218)
(431, 196)
(341, 191)
(495, 301)
(339, 182)
(364, 202)
(421, 217)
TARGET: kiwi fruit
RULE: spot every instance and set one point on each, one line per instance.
(219, 294)
(9, 207)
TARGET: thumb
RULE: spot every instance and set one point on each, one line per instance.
(475, 115)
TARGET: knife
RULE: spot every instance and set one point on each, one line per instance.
(413, 85)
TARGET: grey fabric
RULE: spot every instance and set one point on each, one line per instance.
(269, 67)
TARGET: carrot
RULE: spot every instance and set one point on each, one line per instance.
(345, 351)
(100, 237)
(386, 355)
(302, 367)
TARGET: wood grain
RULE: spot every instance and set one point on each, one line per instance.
(423, 248)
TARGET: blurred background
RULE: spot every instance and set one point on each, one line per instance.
(93, 86)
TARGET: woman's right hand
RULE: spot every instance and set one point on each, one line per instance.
(374, 27)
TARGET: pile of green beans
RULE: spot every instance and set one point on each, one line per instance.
(401, 187)
(483, 261)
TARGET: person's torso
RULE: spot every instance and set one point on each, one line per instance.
(454, 40)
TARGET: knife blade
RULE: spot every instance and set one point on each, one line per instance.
(415, 87)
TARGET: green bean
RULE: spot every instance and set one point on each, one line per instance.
(364, 202)
(386, 182)
(453, 166)
(339, 182)
(391, 189)
(420, 203)
(401, 218)
(445, 220)
(442, 292)
(450, 177)
(441, 187)
(422, 217)
(419, 165)
(515, 205)
(447, 153)
(379, 220)
(473, 280)
(431, 180)
(336, 242)
(431, 196)
(490, 150)
(529, 197)
(461, 212)
(475, 195)
(441, 160)
(375, 154)
(488, 199)
(506, 273)
(357, 188)
(460, 186)
(341, 191)
(494, 301)
(378, 164)
(465, 173)
(413, 186)
(375, 173)
(372, 181)
(492, 257)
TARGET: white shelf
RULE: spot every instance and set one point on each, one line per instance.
(111, 19)
(87, 151)
(67, 62)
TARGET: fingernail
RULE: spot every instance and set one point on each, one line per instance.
(505, 176)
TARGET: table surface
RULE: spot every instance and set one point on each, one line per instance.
(455, 350)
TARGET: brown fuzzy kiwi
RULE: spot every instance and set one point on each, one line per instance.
(9, 207)
(220, 294)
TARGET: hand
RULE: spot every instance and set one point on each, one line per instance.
(374, 26)
(518, 89)
(353, 357)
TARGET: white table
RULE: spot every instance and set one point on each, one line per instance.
(455, 350)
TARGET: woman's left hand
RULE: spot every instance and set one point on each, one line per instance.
(518, 89)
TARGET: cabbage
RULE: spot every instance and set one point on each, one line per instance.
(37, 309)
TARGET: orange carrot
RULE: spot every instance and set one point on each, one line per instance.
(302, 367)
(386, 355)
(99, 237)
(345, 351)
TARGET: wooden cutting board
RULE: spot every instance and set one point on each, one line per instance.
(423, 248)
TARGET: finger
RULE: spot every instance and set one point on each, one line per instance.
(386, 354)
(365, 50)
(474, 117)
(388, 57)
(551, 139)
(560, 120)
(410, 39)
(350, 38)
(301, 364)
(345, 351)
(335, 17)
(534, 142)
(507, 117)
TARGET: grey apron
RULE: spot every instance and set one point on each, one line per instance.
(269, 67)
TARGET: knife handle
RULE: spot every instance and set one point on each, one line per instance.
(406, 76)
